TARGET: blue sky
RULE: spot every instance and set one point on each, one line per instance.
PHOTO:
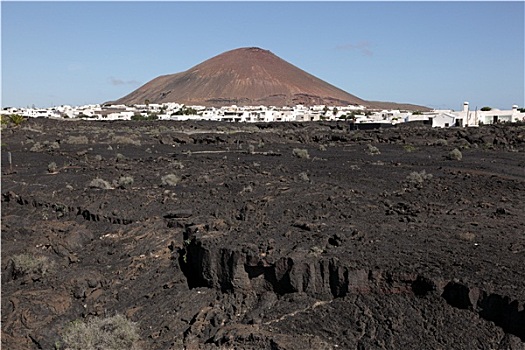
(436, 54)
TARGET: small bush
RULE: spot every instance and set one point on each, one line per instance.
(28, 264)
(418, 178)
(37, 147)
(409, 148)
(120, 157)
(455, 154)
(125, 181)
(16, 119)
(372, 150)
(111, 333)
(99, 183)
(177, 165)
(304, 177)
(52, 167)
(441, 142)
(77, 140)
(466, 236)
(301, 153)
(170, 180)
(251, 149)
(125, 140)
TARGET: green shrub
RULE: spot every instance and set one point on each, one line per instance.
(409, 148)
(16, 119)
(301, 153)
(455, 154)
(110, 333)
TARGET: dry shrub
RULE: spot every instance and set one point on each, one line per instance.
(77, 140)
(466, 236)
(29, 264)
(125, 181)
(100, 183)
(125, 140)
(170, 180)
(417, 178)
(372, 150)
(115, 333)
(301, 153)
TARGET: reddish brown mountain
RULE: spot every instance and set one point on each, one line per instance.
(245, 76)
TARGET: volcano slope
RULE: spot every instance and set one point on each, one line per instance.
(265, 236)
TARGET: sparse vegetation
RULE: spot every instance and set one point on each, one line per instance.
(417, 179)
(486, 109)
(125, 140)
(52, 167)
(409, 148)
(125, 181)
(455, 154)
(372, 150)
(177, 165)
(111, 333)
(149, 116)
(466, 236)
(185, 111)
(301, 153)
(170, 180)
(441, 142)
(304, 177)
(120, 157)
(100, 183)
(77, 140)
(37, 147)
(16, 119)
(29, 264)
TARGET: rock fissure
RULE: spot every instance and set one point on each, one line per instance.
(327, 279)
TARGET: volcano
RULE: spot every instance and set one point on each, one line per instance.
(244, 76)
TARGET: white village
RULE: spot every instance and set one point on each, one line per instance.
(360, 115)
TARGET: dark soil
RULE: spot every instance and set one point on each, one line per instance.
(257, 248)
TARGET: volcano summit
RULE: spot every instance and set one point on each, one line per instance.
(244, 76)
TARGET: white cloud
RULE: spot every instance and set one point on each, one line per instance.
(116, 81)
(362, 46)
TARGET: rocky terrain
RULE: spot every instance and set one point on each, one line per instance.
(265, 236)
